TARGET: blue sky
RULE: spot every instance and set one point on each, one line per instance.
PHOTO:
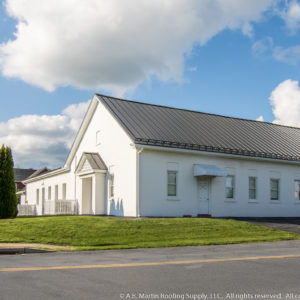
(229, 67)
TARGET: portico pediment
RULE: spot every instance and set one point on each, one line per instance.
(90, 162)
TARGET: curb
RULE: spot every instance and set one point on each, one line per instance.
(8, 251)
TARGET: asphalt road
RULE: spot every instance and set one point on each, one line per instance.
(246, 271)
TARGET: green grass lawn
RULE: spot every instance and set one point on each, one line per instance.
(91, 233)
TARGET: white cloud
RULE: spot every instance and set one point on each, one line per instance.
(262, 47)
(115, 45)
(260, 118)
(291, 15)
(75, 113)
(290, 55)
(285, 102)
(45, 140)
(265, 48)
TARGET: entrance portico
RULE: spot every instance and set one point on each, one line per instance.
(92, 173)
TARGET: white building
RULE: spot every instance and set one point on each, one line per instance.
(137, 159)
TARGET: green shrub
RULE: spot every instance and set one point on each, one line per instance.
(8, 198)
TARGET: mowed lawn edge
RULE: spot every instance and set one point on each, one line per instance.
(101, 233)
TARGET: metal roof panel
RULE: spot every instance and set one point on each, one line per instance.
(179, 128)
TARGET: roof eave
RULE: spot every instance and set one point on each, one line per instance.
(83, 127)
(213, 153)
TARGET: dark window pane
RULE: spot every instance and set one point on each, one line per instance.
(171, 190)
(172, 177)
(252, 194)
(229, 192)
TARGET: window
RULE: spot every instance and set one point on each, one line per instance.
(98, 138)
(64, 191)
(49, 192)
(230, 187)
(43, 195)
(56, 192)
(172, 183)
(297, 190)
(37, 197)
(274, 188)
(111, 186)
(252, 188)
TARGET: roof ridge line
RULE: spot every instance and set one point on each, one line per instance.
(196, 111)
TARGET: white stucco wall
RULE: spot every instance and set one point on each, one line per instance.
(153, 199)
(52, 181)
(119, 155)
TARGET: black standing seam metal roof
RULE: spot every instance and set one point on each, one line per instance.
(157, 125)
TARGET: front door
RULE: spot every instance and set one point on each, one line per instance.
(203, 197)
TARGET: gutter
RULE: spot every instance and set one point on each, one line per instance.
(216, 154)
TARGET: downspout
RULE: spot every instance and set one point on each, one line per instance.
(138, 151)
(75, 179)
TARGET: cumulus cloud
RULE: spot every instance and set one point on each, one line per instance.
(44, 140)
(291, 15)
(285, 102)
(115, 45)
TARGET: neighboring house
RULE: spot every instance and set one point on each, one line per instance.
(20, 175)
(38, 172)
(138, 159)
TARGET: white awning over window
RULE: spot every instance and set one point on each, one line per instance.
(208, 170)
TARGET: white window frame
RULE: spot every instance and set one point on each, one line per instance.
(233, 188)
(64, 191)
(255, 188)
(37, 196)
(43, 195)
(278, 190)
(173, 184)
(56, 192)
(49, 192)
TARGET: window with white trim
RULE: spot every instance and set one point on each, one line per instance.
(56, 192)
(297, 190)
(252, 188)
(229, 187)
(43, 195)
(274, 189)
(49, 192)
(172, 183)
(37, 196)
(64, 191)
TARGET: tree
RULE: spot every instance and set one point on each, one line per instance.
(8, 198)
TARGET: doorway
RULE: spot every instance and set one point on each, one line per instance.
(87, 188)
(203, 196)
